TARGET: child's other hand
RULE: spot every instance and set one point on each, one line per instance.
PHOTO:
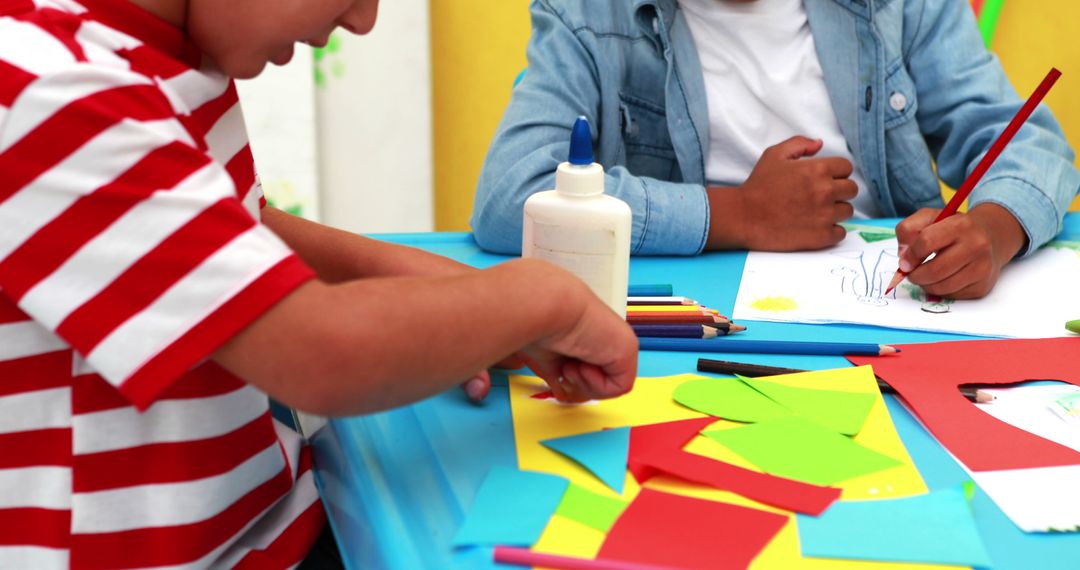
(970, 249)
(595, 358)
(792, 203)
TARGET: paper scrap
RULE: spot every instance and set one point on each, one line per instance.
(683, 532)
(936, 528)
(602, 452)
(803, 450)
(511, 507)
(590, 509)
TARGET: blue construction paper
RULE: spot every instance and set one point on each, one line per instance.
(936, 528)
(603, 453)
(512, 507)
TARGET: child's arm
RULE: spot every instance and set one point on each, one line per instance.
(367, 345)
(971, 249)
(788, 203)
(338, 256)
(965, 101)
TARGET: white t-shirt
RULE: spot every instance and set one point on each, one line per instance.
(764, 84)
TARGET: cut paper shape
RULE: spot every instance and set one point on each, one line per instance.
(511, 507)
(803, 450)
(779, 492)
(755, 400)
(651, 438)
(927, 376)
(728, 399)
(936, 528)
(590, 509)
(602, 452)
(844, 412)
(846, 284)
(683, 532)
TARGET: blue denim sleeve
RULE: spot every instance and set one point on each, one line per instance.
(562, 82)
(965, 102)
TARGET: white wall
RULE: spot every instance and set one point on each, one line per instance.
(362, 136)
(279, 110)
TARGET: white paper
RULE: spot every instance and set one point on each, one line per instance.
(1044, 499)
(846, 284)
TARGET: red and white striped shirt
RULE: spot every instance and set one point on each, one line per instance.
(130, 250)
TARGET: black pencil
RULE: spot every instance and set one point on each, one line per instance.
(755, 370)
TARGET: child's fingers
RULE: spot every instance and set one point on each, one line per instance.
(477, 387)
(795, 147)
(929, 240)
(908, 229)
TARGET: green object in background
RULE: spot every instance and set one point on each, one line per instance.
(590, 509)
(988, 19)
(1073, 326)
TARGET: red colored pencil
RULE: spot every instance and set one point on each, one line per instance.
(989, 158)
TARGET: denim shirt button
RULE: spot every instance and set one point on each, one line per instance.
(897, 101)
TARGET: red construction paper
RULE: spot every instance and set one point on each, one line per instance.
(650, 438)
(662, 528)
(781, 492)
(927, 376)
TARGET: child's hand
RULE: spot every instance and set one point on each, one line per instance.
(970, 249)
(477, 387)
(794, 203)
(595, 358)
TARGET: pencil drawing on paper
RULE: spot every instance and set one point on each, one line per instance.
(865, 276)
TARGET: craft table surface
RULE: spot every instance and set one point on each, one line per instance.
(397, 484)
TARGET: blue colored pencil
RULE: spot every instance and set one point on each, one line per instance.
(661, 290)
(676, 331)
(765, 346)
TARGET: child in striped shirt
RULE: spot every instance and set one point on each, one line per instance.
(150, 300)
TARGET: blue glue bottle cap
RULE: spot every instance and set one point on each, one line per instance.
(581, 143)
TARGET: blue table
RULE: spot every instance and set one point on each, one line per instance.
(397, 484)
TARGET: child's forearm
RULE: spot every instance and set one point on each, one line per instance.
(338, 256)
(377, 343)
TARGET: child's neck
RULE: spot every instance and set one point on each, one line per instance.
(172, 11)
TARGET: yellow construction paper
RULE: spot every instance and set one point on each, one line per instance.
(651, 402)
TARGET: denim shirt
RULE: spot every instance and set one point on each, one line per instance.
(910, 81)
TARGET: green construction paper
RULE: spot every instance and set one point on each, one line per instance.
(844, 412)
(800, 449)
(590, 509)
(728, 399)
(757, 400)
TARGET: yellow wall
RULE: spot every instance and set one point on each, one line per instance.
(1035, 35)
(478, 48)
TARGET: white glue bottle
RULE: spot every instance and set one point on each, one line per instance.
(578, 227)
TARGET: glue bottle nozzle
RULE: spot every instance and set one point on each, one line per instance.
(581, 143)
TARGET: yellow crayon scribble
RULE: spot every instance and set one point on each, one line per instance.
(775, 304)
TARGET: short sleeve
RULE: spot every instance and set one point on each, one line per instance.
(123, 237)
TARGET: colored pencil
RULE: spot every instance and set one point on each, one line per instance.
(686, 331)
(675, 331)
(630, 313)
(756, 370)
(660, 301)
(670, 309)
(640, 319)
(989, 158)
(652, 290)
(525, 557)
(765, 346)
